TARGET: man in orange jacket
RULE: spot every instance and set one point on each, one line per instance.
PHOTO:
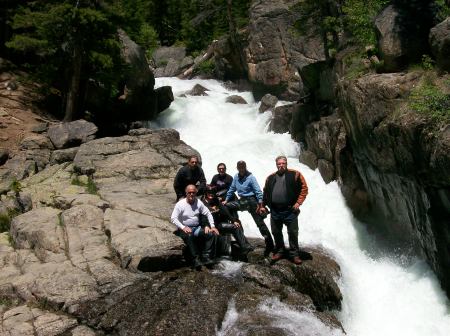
(284, 192)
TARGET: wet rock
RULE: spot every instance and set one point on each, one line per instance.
(268, 102)
(308, 158)
(235, 99)
(197, 90)
(281, 118)
(164, 97)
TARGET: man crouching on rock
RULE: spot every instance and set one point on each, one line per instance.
(186, 216)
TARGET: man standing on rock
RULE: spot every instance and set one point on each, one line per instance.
(191, 173)
(250, 199)
(284, 192)
(186, 216)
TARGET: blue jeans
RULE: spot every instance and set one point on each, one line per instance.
(290, 219)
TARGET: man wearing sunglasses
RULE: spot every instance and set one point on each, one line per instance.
(186, 216)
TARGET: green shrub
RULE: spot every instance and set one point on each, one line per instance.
(429, 100)
(91, 187)
(15, 186)
(206, 67)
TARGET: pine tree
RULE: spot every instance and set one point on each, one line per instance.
(73, 41)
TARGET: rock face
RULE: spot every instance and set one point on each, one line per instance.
(440, 44)
(91, 251)
(402, 163)
(272, 53)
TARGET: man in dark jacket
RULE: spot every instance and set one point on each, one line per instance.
(221, 181)
(284, 192)
(225, 221)
(191, 173)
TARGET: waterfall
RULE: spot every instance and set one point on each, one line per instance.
(386, 291)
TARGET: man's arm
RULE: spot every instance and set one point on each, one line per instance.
(265, 191)
(178, 183)
(174, 218)
(202, 180)
(303, 191)
(231, 191)
(203, 209)
(256, 189)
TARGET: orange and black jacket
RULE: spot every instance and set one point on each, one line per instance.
(296, 188)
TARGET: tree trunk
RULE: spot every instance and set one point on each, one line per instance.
(74, 87)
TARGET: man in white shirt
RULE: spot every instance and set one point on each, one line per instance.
(186, 216)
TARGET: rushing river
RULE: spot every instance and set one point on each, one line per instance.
(386, 291)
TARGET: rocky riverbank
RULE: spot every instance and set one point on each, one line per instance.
(91, 251)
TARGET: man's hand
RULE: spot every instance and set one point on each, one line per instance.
(187, 230)
(224, 202)
(296, 208)
(212, 230)
(237, 224)
(261, 210)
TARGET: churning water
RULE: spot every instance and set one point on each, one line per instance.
(386, 292)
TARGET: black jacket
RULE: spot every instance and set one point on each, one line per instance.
(296, 188)
(186, 176)
(222, 182)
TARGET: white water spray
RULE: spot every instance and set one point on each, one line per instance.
(385, 293)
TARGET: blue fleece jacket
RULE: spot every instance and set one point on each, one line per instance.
(245, 186)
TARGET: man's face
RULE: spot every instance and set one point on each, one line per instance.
(193, 162)
(281, 166)
(191, 193)
(221, 170)
(241, 169)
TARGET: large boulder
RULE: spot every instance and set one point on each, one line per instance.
(71, 134)
(268, 102)
(395, 25)
(440, 44)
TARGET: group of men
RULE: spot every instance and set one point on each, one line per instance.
(200, 220)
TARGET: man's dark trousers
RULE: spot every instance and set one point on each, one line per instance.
(290, 219)
(192, 242)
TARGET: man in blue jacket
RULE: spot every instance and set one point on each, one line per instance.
(250, 199)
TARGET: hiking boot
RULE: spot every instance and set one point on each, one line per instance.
(197, 264)
(277, 256)
(296, 260)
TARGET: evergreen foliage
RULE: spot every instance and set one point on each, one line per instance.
(68, 43)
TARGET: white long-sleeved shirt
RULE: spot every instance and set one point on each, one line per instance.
(185, 214)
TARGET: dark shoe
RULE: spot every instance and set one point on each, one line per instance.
(246, 250)
(277, 256)
(207, 261)
(296, 260)
(197, 264)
